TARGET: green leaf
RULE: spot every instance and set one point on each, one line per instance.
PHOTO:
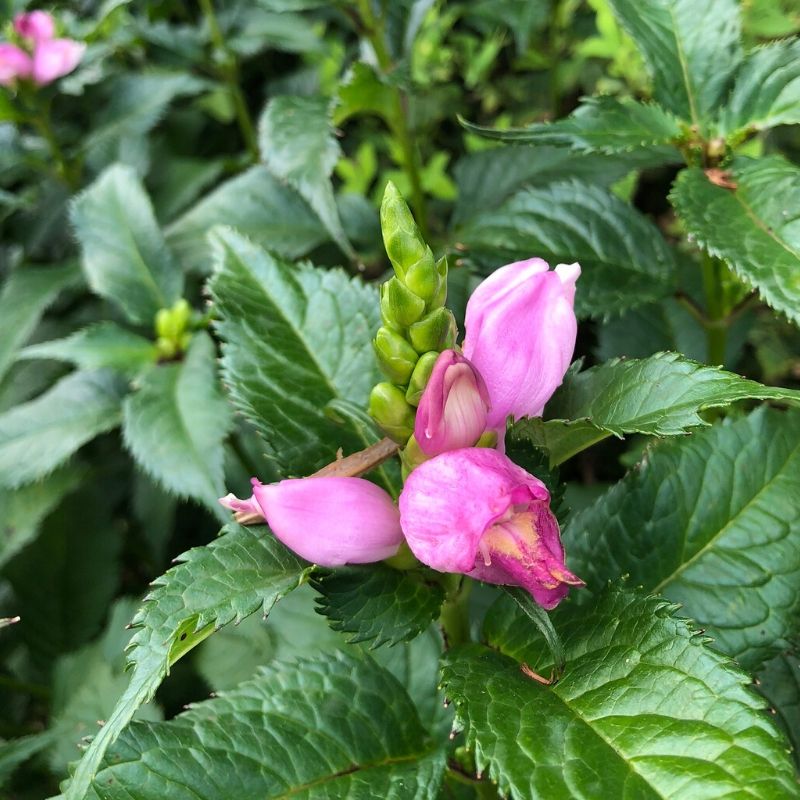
(661, 396)
(624, 258)
(175, 423)
(23, 510)
(362, 91)
(296, 338)
(350, 727)
(754, 228)
(709, 522)
(15, 752)
(38, 436)
(378, 604)
(257, 205)
(542, 622)
(124, 254)
(298, 146)
(103, 345)
(25, 296)
(692, 50)
(766, 92)
(645, 709)
(244, 570)
(779, 682)
(600, 125)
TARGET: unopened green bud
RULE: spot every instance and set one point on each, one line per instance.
(423, 279)
(412, 456)
(441, 295)
(400, 307)
(163, 323)
(436, 331)
(401, 236)
(388, 407)
(420, 377)
(396, 356)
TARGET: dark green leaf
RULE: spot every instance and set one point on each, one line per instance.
(257, 205)
(662, 396)
(295, 339)
(542, 622)
(710, 522)
(38, 436)
(754, 228)
(624, 259)
(600, 125)
(378, 604)
(767, 90)
(102, 345)
(25, 296)
(244, 570)
(297, 144)
(352, 730)
(15, 752)
(692, 50)
(645, 709)
(779, 682)
(124, 254)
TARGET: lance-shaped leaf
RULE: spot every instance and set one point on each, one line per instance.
(297, 144)
(377, 603)
(755, 228)
(710, 522)
(337, 726)
(244, 570)
(692, 50)
(624, 258)
(599, 125)
(124, 254)
(645, 709)
(661, 396)
(257, 205)
(36, 437)
(296, 338)
(175, 423)
(767, 90)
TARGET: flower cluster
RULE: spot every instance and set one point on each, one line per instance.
(39, 56)
(465, 506)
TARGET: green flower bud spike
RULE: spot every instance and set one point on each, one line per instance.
(437, 331)
(388, 407)
(400, 307)
(396, 357)
(420, 377)
(171, 327)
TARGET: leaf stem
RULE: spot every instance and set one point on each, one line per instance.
(454, 616)
(43, 123)
(229, 72)
(716, 325)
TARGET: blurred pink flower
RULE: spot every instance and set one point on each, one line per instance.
(14, 64)
(53, 58)
(476, 512)
(35, 25)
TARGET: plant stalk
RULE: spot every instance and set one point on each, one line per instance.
(716, 325)
(454, 616)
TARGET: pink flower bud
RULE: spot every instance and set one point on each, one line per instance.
(36, 25)
(327, 520)
(53, 58)
(520, 335)
(14, 64)
(475, 511)
(452, 410)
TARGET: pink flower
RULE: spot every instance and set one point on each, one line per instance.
(520, 335)
(53, 58)
(327, 520)
(474, 511)
(35, 25)
(452, 410)
(14, 64)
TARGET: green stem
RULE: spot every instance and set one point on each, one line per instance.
(717, 325)
(44, 124)
(229, 72)
(454, 616)
(373, 29)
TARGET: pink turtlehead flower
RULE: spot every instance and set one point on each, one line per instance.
(54, 58)
(327, 520)
(476, 512)
(35, 25)
(452, 410)
(520, 335)
(14, 64)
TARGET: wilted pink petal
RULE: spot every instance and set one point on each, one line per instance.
(36, 25)
(54, 58)
(14, 64)
(475, 511)
(453, 407)
(520, 335)
(249, 506)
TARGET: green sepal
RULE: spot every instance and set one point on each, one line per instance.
(420, 377)
(396, 357)
(441, 296)
(422, 278)
(388, 407)
(400, 307)
(435, 331)
(411, 456)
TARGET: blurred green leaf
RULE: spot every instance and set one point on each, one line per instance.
(779, 682)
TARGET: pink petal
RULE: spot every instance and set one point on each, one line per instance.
(54, 58)
(14, 64)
